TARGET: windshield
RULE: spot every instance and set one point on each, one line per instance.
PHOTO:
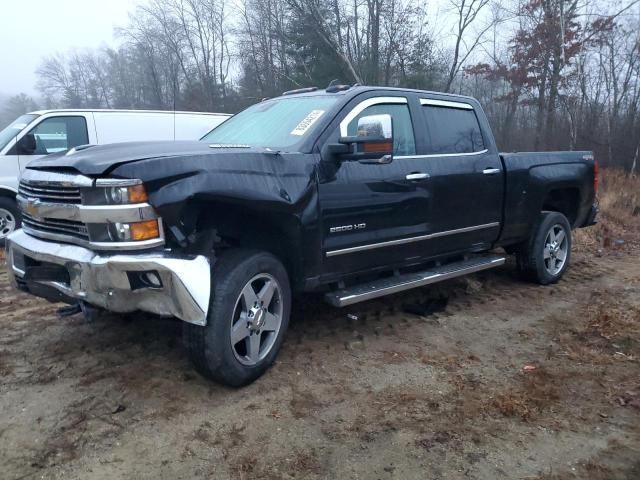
(275, 124)
(15, 128)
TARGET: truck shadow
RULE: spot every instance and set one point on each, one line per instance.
(141, 351)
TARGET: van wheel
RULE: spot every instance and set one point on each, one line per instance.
(247, 320)
(545, 256)
(10, 217)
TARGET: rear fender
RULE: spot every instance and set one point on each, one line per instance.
(529, 191)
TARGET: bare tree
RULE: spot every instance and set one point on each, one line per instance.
(466, 14)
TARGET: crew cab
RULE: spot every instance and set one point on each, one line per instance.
(351, 192)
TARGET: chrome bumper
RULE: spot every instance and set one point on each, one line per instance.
(106, 280)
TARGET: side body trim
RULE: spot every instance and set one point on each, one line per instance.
(435, 155)
(402, 241)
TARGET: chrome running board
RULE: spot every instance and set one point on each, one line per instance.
(407, 281)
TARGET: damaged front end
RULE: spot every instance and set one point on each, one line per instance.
(143, 238)
(155, 282)
(100, 242)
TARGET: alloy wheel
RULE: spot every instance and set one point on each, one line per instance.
(556, 248)
(257, 318)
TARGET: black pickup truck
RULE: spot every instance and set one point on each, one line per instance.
(355, 192)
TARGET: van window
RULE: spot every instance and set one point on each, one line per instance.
(403, 139)
(58, 134)
(452, 130)
(12, 130)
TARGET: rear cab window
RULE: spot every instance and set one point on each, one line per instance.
(452, 128)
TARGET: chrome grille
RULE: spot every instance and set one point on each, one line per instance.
(55, 206)
(55, 226)
(50, 193)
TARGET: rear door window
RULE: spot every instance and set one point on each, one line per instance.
(58, 134)
(452, 128)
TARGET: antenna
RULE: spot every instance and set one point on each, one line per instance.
(174, 108)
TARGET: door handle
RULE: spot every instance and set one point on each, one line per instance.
(491, 171)
(417, 176)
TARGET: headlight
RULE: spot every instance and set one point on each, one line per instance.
(115, 191)
(121, 195)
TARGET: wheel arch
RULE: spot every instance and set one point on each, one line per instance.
(9, 192)
(235, 225)
(565, 200)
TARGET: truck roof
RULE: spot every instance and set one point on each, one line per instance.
(116, 110)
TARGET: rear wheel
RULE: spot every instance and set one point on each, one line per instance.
(9, 217)
(248, 317)
(545, 256)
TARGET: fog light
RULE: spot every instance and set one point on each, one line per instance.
(144, 279)
(152, 279)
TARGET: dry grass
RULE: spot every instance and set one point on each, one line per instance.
(605, 329)
(619, 220)
(538, 391)
(295, 463)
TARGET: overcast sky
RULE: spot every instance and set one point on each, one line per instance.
(32, 29)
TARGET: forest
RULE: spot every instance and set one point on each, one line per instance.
(551, 74)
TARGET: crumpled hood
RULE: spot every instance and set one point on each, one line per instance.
(174, 172)
(99, 159)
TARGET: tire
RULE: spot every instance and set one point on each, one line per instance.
(545, 257)
(224, 350)
(10, 217)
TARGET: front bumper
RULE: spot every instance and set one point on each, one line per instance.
(58, 271)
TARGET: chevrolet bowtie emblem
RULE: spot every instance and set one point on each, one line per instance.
(32, 207)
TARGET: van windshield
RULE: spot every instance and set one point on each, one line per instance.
(15, 128)
(276, 124)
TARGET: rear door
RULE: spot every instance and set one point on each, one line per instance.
(465, 176)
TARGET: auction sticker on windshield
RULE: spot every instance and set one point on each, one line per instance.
(306, 122)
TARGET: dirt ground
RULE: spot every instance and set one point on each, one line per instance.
(511, 380)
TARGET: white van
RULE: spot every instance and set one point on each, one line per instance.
(36, 134)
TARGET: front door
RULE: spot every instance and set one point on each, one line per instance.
(51, 135)
(368, 211)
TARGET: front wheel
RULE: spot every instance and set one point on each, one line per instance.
(248, 317)
(545, 256)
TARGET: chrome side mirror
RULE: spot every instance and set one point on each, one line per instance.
(373, 142)
(376, 126)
